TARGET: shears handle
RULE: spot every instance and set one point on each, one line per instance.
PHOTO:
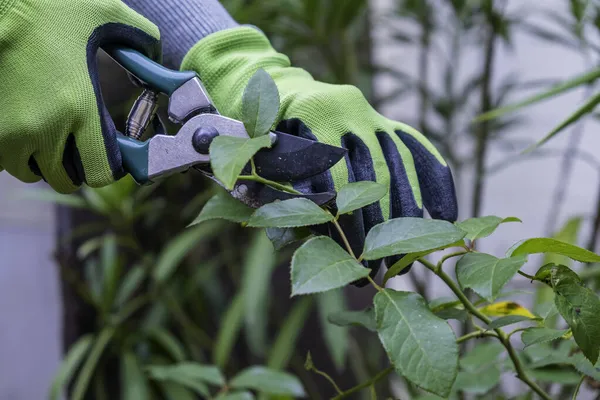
(153, 76)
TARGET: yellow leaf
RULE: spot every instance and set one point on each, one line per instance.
(506, 308)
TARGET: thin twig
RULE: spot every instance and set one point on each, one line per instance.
(276, 185)
(475, 335)
(576, 393)
(366, 384)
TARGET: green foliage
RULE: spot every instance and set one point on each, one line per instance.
(223, 206)
(354, 196)
(335, 336)
(478, 228)
(321, 265)
(364, 318)
(288, 214)
(486, 274)
(531, 336)
(420, 345)
(547, 245)
(260, 104)
(268, 381)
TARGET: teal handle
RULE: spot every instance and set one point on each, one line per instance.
(135, 157)
(151, 73)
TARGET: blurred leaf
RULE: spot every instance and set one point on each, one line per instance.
(168, 342)
(482, 227)
(364, 318)
(134, 384)
(289, 213)
(508, 320)
(555, 375)
(129, 284)
(260, 104)
(70, 200)
(482, 355)
(420, 345)
(580, 80)
(223, 206)
(285, 344)
(281, 237)
(111, 268)
(478, 382)
(256, 277)
(229, 155)
(186, 372)
(336, 337)
(268, 381)
(503, 308)
(321, 264)
(235, 396)
(353, 196)
(70, 365)
(531, 336)
(174, 391)
(83, 380)
(228, 331)
(164, 375)
(584, 366)
(587, 108)
(178, 248)
(486, 274)
(409, 235)
(547, 245)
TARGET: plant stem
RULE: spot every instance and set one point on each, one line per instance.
(276, 185)
(344, 238)
(502, 337)
(449, 256)
(475, 335)
(329, 379)
(526, 275)
(375, 285)
(578, 387)
(366, 384)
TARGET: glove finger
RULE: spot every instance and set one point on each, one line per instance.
(402, 198)
(18, 164)
(435, 179)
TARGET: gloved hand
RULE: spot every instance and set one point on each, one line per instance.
(381, 150)
(53, 122)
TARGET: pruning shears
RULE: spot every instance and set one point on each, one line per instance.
(289, 159)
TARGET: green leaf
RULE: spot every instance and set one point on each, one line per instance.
(421, 346)
(70, 365)
(223, 206)
(172, 374)
(285, 344)
(135, 385)
(321, 264)
(555, 375)
(178, 248)
(269, 381)
(580, 307)
(71, 200)
(336, 337)
(584, 366)
(82, 383)
(187, 372)
(547, 245)
(281, 237)
(256, 277)
(587, 108)
(260, 104)
(531, 336)
(130, 283)
(579, 80)
(235, 396)
(481, 356)
(364, 318)
(111, 271)
(229, 155)
(508, 320)
(486, 274)
(288, 214)
(229, 329)
(478, 228)
(168, 342)
(353, 196)
(409, 235)
(175, 391)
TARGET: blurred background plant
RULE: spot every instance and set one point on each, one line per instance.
(140, 292)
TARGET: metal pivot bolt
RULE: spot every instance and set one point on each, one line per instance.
(203, 137)
(141, 114)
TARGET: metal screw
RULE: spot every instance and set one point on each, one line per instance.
(203, 137)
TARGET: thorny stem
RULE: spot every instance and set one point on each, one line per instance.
(502, 336)
(366, 384)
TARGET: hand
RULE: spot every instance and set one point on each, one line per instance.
(53, 122)
(381, 150)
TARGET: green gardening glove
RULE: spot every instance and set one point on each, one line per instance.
(379, 149)
(53, 122)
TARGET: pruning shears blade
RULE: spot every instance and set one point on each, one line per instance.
(293, 158)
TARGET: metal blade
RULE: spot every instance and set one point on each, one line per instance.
(294, 158)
